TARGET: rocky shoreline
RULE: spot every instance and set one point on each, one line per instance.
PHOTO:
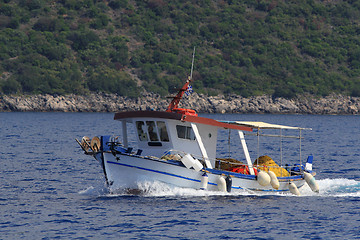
(103, 102)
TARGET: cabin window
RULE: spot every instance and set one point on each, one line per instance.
(164, 137)
(185, 132)
(152, 131)
(141, 129)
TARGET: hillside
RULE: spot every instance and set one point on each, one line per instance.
(249, 48)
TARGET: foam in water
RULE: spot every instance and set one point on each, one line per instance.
(339, 187)
(95, 191)
(159, 189)
(328, 188)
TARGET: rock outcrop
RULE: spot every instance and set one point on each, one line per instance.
(102, 102)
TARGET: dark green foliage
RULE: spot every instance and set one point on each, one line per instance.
(282, 48)
(49, 24)
(120, 54)
(81, 40)
(116, 4)
(356, 92)
(100, 22)
(32, 4)
(109, 80)
(10, 86)
(285, 91)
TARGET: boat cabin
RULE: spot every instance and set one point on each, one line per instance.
(159, 132)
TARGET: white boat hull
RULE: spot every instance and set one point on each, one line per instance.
(127, 171)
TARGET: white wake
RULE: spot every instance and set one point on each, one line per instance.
(340, 187)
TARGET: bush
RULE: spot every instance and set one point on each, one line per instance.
(100, 22)
(116, 4)
(81, 40)
(284, 92)
(356, 91)
(32, 4)
(46, 24)
(109, 80)
(11, 86)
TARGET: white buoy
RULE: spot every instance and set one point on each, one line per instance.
(274, 180)
(221, 184)
(263, 178)
(293, 189)
(310, 180)
(204, 181)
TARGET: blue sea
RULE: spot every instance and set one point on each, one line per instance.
(50, 190)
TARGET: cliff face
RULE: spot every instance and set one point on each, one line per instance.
(334, 104)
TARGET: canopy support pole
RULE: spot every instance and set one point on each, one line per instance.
(124, 133)
(201, 145)
(246, 152)
(281, 153)
(300, 147)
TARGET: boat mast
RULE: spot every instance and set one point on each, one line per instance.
(176, 100)
(192, 64)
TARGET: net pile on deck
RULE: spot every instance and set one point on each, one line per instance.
(265, 163)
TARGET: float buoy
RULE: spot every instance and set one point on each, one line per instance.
(293, 189)
(221, 184)
(204, 181)
(228, 183)
(310, 180)
(274, 180)
(263, 178)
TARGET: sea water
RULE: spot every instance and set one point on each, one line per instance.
(50, 190)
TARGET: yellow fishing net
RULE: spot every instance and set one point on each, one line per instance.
(266, 163)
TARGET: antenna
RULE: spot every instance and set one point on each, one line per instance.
(192, 64)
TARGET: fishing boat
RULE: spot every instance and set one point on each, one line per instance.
(179, 148)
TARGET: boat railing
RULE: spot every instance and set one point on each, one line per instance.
(230, 164)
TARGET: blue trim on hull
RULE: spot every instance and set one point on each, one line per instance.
(238, 175)
(156, 171)
(191, 179)
(211, 170)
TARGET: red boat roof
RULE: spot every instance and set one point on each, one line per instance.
(180, 117)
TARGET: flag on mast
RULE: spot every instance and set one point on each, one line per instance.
(189, 90)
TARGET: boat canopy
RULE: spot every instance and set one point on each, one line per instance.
(263, 125)
(180, 117)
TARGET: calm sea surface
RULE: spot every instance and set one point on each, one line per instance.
(50, 190)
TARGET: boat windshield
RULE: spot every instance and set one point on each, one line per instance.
(164, 137)
(142, 134)
(152, 131)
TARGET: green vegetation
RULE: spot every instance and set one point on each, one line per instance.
(251, 47)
